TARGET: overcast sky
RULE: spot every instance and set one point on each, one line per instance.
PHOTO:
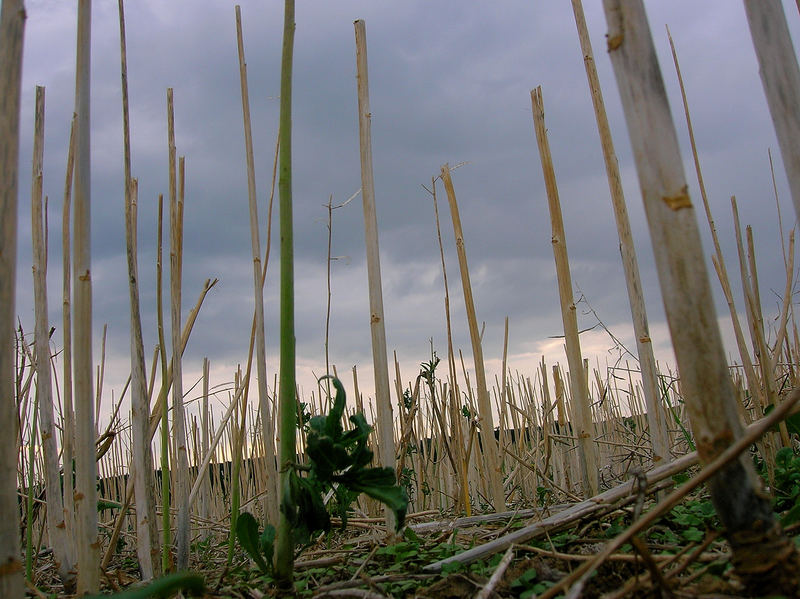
(449, 83)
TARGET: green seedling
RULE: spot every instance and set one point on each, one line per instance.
(338, 462)
(338, 467)
(527, 584)
(260, 546)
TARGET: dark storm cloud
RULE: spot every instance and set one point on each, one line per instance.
(449, 82)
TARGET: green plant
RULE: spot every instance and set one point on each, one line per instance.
(526, 584)
(259, 545)
(687, 436)
(337, 463)
(787, 485)
(688, 522)
(303, 416)
(337, 467)
(543, 494)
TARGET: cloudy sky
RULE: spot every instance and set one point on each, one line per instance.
(449, 83)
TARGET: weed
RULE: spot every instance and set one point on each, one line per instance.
(337, 468)
(527, 586)
(787, 485)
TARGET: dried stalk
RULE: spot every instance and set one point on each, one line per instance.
(68, 413)
(718, 258)
(87, 540)
(581, 405)
(490, 449)
(658, 427)
(686, 290)
(179, 440)
(780, 76)
(146, 524)
(12, 27)
(270, 500)
(377, 325)
(56, 526)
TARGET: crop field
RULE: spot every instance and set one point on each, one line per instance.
(634, 479)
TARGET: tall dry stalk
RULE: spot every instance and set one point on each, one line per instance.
(87, 540)
(490, 450)
(163, 409)
(718, 258)
(780, 76)
(68, 413)
(179, 440)
(202, 473)
(762, 555)
(659, 437)
(161, 401)
(56, 525)
(270, 501)
(386, 449)
(12, 27)
(581, 405)
(142, 467)
(455, 412)
(755, 319)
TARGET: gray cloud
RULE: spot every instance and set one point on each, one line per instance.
(449, 83)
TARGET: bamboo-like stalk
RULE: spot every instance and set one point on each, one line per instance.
(85, 463)
(780, 76)
(755, 319)
(163, 416)
(785, 306)
(580, 396)
(202, 473)
(238, 434)
(12, 27)
(179, 440)
(718, 258)
(762, 553)
(455, 421)
(56, 526)
(490, 450)
(644, 344)
(68, 414)
(159, 410)
(377, 324)
(270, 502)
(146, 524)
(284, 547)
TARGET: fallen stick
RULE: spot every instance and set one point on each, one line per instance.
(752, 433)
(571, 514)
(623, 490)
(488, 590)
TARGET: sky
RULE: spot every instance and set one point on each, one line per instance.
(449, 83)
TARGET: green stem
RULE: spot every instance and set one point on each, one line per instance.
(284, 558)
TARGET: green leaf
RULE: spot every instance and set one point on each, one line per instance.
(165, 586)
(793, 424)
(266, 542)
(333, 423)
(792, 516)
(252, 543)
